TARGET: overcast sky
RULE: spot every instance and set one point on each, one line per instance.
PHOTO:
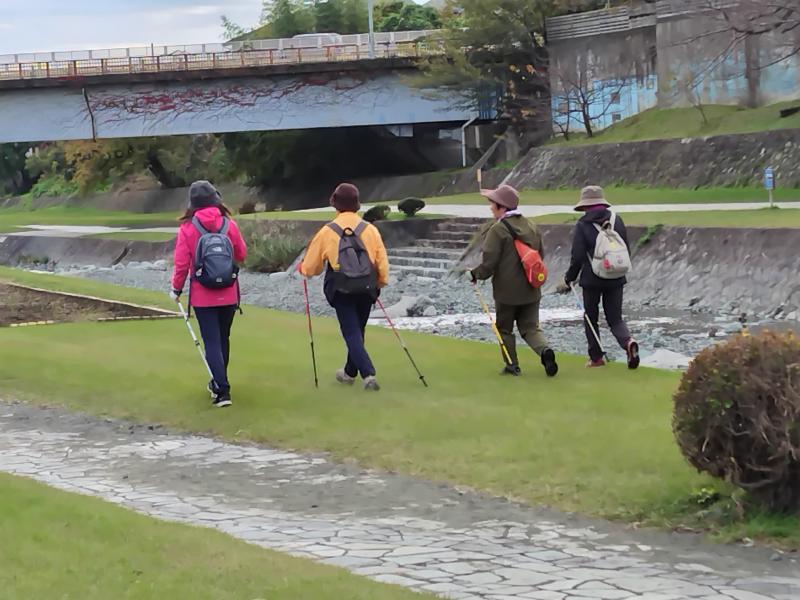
(48, 25)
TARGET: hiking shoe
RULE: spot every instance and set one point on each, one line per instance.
(633, 354)
(212, 389)
(344, 378)
(511, 370)
(223, 400)
(592, 364)
(549, 362)
(371, 384)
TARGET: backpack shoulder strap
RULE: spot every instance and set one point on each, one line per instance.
(225, 224)
(510, 229)
(199, 226)
(336, 229)
(360, 228)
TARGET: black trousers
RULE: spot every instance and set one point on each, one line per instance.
(612, 307)
(215, 328)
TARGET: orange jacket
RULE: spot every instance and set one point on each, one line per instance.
(325, 248)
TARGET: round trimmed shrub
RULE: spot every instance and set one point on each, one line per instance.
(737, 416)
(410, 206)
(377, 213)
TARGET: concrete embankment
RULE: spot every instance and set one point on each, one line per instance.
(748, 270)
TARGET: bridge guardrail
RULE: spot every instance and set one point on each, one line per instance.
(244, 58)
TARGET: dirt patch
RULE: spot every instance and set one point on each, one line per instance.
(22, 305)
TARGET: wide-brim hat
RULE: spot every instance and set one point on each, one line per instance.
(592, 195)
(505, 196)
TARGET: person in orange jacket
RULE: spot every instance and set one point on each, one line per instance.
(357, 268)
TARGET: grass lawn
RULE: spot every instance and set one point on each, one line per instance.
(141, 236)
(323, 216)
(597, 442)
(633, 195)
(688, 122)
(11, 219)
(62, 545)
(762, 218)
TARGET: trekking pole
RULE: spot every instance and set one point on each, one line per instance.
(494, 325)
(402, 343)
(194, 338)
(311, 333)
(588, 320)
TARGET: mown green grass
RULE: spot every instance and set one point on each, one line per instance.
(761, 218)
(598, 442)
(324, 216)
(12, 219)
(633, 195)
(61, 545)
(688, 122)
(136, 236)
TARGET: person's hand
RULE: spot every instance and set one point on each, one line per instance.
(563, 288)
(175, 295)
(300, 267)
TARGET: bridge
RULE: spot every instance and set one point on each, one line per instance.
(298, 83)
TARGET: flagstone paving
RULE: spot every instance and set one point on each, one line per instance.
(391, 528)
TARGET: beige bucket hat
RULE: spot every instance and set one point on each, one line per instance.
(591, 195)
(505, 195)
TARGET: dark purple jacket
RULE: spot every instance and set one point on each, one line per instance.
(583, 242)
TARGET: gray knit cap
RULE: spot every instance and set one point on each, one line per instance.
(202, 194)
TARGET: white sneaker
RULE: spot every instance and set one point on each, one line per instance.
(371, 384)
(344, 378)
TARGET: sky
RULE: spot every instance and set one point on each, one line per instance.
(50, 25)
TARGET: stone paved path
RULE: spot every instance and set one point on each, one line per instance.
(391, 528)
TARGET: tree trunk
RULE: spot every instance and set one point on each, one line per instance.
(587, 122)
(164, 177)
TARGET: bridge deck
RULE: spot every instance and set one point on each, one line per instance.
(182, 63)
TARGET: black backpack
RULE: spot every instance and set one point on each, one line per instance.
(214, 266)
(356, 274)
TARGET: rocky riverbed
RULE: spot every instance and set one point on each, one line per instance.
(668, 337)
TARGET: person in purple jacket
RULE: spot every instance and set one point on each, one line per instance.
(597, 211)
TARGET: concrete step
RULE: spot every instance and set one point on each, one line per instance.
(421, 271)
(426, 252)
(470, 228)
(426, 263)
(443, 244)
(459, 236)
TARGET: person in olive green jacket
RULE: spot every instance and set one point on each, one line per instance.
(515, 299)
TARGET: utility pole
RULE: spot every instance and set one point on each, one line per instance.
(370, 8)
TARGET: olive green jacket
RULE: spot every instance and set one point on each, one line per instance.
(501, 262)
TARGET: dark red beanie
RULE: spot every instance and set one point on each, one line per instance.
(345, 198)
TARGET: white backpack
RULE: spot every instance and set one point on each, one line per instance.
(611, 258)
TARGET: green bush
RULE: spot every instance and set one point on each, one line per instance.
(410, 206)
(54, 185)
(248, 208)
(270, 252)
(737, 416)
(377, 213)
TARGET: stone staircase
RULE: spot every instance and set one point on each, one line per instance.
(434, 257)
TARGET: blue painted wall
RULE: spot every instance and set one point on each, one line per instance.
(634, 97)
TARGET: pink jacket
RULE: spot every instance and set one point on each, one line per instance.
(185, 246)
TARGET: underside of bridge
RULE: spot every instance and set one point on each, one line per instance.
(159, 104)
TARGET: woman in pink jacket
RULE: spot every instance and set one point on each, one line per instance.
(215, 307)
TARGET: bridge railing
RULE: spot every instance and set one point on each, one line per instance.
(244, 58)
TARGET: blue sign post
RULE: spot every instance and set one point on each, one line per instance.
(769, 184)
